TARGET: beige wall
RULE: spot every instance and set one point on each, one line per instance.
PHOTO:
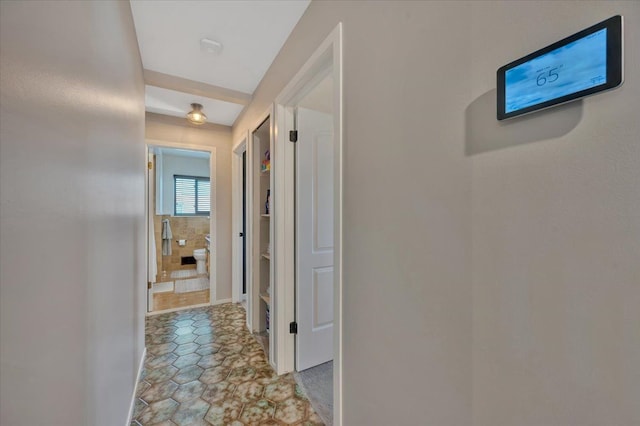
(556, 237)
(72, 269)
(491, 271)
(159, 128)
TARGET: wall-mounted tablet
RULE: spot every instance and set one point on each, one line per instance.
(580, 65)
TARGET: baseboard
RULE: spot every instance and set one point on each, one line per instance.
(184, 308)
(135, 388)
(201, 305)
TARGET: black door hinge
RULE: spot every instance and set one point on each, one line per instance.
(293, 135)
(293, 327)
(241, 234)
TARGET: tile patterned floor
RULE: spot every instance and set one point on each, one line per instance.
(203, 367)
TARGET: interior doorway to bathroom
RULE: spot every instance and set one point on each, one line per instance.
(180, 208)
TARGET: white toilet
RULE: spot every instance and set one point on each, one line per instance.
(201, 257)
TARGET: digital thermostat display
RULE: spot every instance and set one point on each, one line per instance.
(580, 65)
(577, 66)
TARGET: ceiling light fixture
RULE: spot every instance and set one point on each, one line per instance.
(210, 46)
(196, 116)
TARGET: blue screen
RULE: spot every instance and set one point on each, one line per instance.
(577, 66)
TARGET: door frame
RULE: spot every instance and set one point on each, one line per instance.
(147, 215)
(327, 55)
(213, 270)
(236, 199)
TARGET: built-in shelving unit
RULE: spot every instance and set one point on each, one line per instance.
(266, 299)
(261, 233)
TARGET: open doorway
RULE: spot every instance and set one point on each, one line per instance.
(261, 228)
(240, 177)
(253, 272)
(179, 208)
(243, 296)
(309, 272)
(313, 118)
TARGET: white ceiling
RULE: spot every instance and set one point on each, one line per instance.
(251, 32)
(171, 102)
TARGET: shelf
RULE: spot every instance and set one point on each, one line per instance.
(260, 220)
(266, 298)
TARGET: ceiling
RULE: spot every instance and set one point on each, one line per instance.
(172, 102)
(169, 33)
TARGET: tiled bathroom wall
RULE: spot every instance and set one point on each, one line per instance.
(190, 228)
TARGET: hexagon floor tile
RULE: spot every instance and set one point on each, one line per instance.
(203, 367)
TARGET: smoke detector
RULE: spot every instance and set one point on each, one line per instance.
(210, 46)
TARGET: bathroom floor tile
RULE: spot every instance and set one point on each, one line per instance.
(203, 367)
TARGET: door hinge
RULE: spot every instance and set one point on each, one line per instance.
(241, 234)
(293, 327)
(293, 135)
(150, 165)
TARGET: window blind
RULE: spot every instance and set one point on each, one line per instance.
(192, 195)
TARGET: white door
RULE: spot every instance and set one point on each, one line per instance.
(314, 238)
(152, 266)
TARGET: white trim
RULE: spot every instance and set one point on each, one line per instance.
(284, 239)
(236, 217)
(222, 301)
(213, 222)
(135, 387)
(147, 217)
(213, 226)
(182, 308)
(198, 88)
(157, 208)
(274, 331)
(328, 53)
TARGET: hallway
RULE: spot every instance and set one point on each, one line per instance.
(488, 268)
(204, 367)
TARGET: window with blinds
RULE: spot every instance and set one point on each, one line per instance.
(192, 195)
